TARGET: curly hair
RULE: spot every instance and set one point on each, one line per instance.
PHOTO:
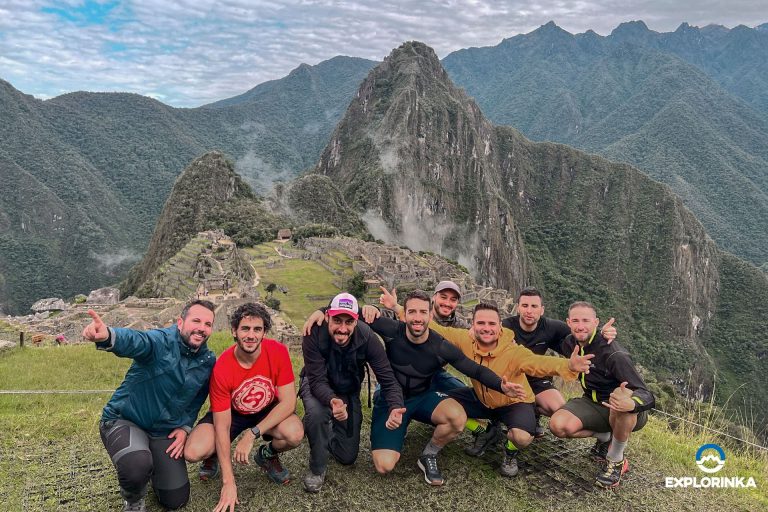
(251, 309)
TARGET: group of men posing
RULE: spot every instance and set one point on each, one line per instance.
(147, 426)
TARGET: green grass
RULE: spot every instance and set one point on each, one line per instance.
(293, 276)
(51, 458)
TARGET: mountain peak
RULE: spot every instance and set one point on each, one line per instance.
(550, 29)
(631, 29)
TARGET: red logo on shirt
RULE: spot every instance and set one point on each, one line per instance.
(253, 395)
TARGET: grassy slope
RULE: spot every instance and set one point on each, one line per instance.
(51, 454)
(292, 276)
(51, 457)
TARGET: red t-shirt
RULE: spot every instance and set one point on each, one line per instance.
(250, 390)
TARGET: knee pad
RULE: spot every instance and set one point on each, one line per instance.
(134, 470)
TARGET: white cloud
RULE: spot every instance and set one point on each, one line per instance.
(192, 52)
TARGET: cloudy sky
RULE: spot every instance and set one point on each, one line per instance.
(191, 52)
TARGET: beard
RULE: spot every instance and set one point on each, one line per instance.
(256, 345)
(186, 337)
(412, 329)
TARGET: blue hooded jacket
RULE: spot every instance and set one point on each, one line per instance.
(167, 383)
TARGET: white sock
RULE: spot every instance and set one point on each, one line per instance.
(616, 450)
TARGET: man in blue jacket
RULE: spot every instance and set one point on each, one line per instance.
(145, 424)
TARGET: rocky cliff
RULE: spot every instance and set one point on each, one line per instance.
(418, 159)
(414, 155)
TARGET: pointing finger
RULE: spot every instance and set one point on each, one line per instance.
(95, 317)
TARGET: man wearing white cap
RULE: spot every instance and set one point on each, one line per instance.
(335, 354)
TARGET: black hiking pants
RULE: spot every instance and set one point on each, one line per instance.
(328, 436)
(138, 458)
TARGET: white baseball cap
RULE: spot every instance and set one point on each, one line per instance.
(344, 304)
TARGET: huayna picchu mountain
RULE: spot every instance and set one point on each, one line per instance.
(208, 194)
(418, 159)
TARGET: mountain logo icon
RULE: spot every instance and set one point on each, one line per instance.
(710, 458)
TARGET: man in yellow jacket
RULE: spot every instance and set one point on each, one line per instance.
(489, 345)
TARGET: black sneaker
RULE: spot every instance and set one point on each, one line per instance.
(509, 463)
(483, 441)
(209, 469)
(600, 449)
(432, 475)
(611, 477)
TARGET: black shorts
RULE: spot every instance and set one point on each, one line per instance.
(538, 384)
(241, 422)
(521, 415)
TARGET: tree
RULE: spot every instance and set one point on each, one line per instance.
(356, 285)
(270, 288)
(273, 303)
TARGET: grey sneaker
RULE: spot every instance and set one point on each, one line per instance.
(136, 506)
(209, 469)
(509, 464)
(313, 482)
(483, 441)
(539, 428)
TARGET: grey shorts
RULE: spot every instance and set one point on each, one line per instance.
(594, 415)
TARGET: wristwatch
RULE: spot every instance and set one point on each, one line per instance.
(256, 431)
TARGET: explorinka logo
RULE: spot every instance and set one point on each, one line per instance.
(710, 458)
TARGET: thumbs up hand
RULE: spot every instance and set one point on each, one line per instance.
(395, 418)
(621, 399)
(339, 409)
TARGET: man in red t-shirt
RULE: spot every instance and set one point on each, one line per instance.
(252, 390)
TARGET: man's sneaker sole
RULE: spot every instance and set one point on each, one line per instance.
(424, 470)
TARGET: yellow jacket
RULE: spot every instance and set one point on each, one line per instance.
(508, 359)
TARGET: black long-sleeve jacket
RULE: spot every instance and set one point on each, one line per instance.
(611, 366)
(335, 371)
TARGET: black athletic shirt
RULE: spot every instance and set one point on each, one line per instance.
(549, 333)
(414, 364)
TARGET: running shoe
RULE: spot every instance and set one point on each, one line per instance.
(509, 463)
(271, 465)
(432, 475)
(136, 506)
(209, 469)
(483, 441)
(611, 477)
(313, 482)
